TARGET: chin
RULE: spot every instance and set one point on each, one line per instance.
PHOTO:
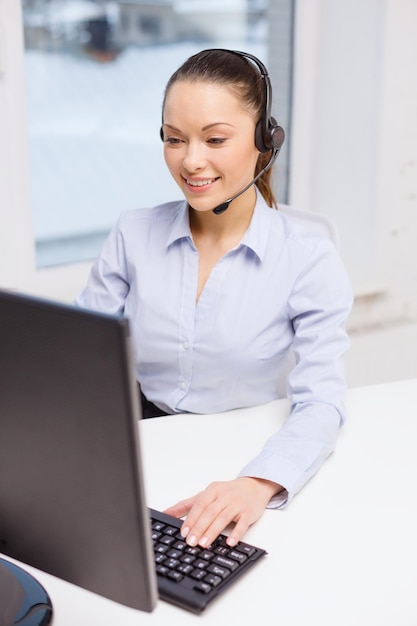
(200, 209)
(200, 205)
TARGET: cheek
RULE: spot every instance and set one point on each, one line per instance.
(171, 159)
(246, 159)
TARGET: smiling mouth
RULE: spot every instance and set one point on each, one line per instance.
(200, 183)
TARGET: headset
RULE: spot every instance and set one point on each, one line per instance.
(269, 136)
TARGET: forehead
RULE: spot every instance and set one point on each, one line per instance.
(203, 98)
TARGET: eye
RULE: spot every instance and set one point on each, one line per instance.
(172, 140)
(216, 141)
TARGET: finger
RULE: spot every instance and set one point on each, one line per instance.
(213, 521)
(238, 531)
(216, 527)
(198, 504)
(206, 508)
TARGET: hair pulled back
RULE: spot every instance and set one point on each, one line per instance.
(243, 79)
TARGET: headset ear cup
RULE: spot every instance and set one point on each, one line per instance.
(259, 137)
(271, 137)
(161, 133)
(277, 136)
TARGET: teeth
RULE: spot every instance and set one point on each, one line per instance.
(200, 183)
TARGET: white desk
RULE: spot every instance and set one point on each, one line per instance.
(343, 553)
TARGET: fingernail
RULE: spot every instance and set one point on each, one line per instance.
(185, 531)
(203, 542)
(231, 541)
(192, 541)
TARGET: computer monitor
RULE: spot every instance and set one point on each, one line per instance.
(72, 498)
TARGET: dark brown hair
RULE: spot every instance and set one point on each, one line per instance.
(244, 80)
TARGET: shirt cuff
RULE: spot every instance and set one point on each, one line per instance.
(279, 500)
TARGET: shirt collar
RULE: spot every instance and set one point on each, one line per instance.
(180, 228)
(255, 238)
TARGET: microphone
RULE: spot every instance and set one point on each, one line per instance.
(221, 208)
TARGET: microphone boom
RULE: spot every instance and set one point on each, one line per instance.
(221, 208)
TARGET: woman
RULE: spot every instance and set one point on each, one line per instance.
(219, 287)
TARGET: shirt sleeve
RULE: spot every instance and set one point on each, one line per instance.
(318, 306)
(108, 285)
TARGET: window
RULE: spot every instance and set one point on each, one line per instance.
(149, 24)
(95, 74)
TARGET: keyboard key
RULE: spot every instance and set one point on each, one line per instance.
(237, 556)
(188, 558)
(203, 587)
(213, 580)
(175, 576)
(229, 563)
(161, 548)
(167, 540)
(244, 547)
(200, 563)
(198, 574)
(223, 572)
(206, 555)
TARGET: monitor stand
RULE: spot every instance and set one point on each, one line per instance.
(23, 600)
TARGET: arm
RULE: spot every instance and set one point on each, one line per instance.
(318, 305)
(108, 284)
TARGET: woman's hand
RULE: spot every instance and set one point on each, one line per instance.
(241, 501)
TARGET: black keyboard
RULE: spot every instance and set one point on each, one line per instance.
(191, 577)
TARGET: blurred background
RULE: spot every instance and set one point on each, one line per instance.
(81, 86)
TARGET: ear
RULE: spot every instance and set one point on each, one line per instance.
(259, 137)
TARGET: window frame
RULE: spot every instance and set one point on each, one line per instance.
(17, 241)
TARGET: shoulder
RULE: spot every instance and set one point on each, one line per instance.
(287, 233)
(306, 224)
(305, 228)
(306, 244)
(297, 236)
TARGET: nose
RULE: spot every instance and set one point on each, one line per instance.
(194, 157)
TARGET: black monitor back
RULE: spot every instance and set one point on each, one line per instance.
(72, 499)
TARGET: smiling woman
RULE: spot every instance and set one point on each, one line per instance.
(212, 109)
(244, 285)
(205, 159)
(252, 107)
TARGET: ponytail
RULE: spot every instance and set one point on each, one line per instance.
(264, 182)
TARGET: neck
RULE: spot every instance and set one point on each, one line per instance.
(235, 218)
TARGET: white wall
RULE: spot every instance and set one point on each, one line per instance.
(354, 151)
(16, 241)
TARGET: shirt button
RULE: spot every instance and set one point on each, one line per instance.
(186, 345)
(182, 385)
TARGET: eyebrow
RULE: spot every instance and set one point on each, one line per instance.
(207, 127)
(216, 124)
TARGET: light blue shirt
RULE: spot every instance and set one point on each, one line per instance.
(278, 289)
